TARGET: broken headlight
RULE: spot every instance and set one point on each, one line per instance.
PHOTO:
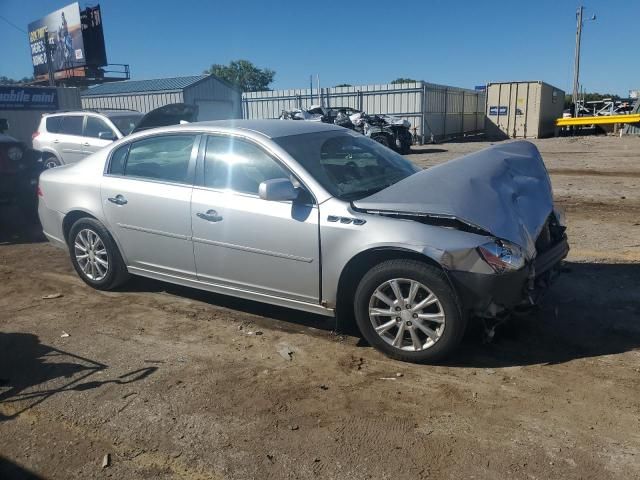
(15, 154)
(502, 256)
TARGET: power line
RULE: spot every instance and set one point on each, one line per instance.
(13, 24)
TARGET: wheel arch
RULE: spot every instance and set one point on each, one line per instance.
(72, 217)
(361, 263)
(50, 152)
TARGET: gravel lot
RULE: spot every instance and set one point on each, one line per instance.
(175, 383)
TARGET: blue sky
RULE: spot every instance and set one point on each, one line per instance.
(463, 43)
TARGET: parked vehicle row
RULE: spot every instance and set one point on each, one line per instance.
(318, 218)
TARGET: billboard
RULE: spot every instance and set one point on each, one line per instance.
(75, 40)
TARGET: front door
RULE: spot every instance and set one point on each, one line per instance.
(68, 140)
(242, 241)
(97, 135)
(146, 197)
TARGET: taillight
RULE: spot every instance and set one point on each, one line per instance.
(39, 190)
(35, 134)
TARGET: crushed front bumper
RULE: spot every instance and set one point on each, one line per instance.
(490, 294)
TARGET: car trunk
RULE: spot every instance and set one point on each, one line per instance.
(502, 190)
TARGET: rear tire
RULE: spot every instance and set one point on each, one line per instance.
(410, 332)
(95, 255)
(51, 161)
(382, 139)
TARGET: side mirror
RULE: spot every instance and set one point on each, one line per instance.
(106, 136)
(277, 190)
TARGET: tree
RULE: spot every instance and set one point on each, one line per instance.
(10, 81)
(403, 80)
(344, 85)
(243, 74)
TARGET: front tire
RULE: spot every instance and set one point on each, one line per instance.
(95, 255)
(408, 310)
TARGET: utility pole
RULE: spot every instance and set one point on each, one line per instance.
(47, 49)
(576, 67)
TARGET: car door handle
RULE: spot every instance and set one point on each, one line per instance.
(86, 144)
(118, 200)
(56, 141)
(209, 216)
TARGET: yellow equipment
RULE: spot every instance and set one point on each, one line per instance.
(601, 120)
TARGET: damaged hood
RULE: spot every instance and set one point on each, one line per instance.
(503, 190)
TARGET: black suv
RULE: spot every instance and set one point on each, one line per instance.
(20, 167)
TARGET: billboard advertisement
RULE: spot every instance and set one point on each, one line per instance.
(75, 39)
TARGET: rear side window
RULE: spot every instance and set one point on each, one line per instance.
(118, 159)
(53, 124)
(95, 126)
(237, 165)
(161, 158)
(72, 125)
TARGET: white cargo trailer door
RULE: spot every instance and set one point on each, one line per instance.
(214, 110)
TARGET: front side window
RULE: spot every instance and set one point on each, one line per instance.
(126, 123)
(238, 165)
(348, 166)
(95, 126)
(72, 125)
(160, 158)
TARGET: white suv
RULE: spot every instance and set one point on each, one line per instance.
(70, 136)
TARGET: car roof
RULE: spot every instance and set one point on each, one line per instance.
(108, 113)
(270, 128)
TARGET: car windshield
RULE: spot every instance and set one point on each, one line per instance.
(126, 123)
(349, 166)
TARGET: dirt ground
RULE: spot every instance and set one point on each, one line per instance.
(174, 383)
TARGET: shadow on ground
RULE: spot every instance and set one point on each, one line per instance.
(12, 471)
(17, 226)
(417, 150)
(31, 372)
(593, 309)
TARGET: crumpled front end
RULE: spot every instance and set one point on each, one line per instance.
(502, 193)
(493, 294)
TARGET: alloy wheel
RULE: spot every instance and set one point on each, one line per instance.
(406, 314)
(91, 255)
(51, 163)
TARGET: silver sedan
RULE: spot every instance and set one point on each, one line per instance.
(314, 217)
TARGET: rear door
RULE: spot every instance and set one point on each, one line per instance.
(146, 196)
(244, 242)
(97, 135)
(68, 140)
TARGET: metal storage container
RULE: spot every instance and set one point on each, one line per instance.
(522, 109)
